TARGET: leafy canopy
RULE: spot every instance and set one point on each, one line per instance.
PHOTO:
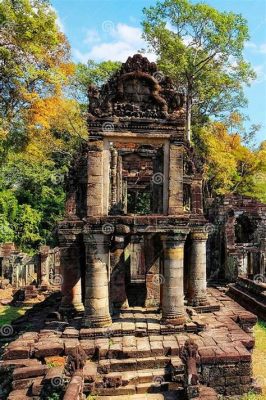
(201, 48)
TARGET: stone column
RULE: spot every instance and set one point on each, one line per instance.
(70, 267)
(173, 291)
(113, 177)
(117, 282)
(137, 262)
(175, 198)
(197, 281)
(97, 312)
(44, 267)
(95, 179)
(196, 196)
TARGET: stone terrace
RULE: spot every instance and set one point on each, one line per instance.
(137, 355)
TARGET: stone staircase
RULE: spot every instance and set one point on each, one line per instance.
(135, 365)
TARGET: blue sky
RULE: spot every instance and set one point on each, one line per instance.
(111, 30)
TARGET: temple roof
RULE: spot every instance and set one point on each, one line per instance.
(137, 90)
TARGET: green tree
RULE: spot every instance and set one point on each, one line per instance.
(231, 167)
(91, 73)
(201, 49)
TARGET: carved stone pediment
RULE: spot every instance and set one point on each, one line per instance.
(137, 90)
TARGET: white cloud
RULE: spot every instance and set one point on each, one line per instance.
(257, 48)
(124, 41)
(92, 36)
(59, 22)
(261, 73)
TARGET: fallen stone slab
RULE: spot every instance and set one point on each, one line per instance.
(48, 349)
(19, 395)
(28, 372)
(19, 363)
(16, 352)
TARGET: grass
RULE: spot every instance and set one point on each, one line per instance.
(10, 313)
(259, 358)
(259, 361)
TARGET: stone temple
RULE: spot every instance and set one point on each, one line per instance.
(135, 316)
(135, 234)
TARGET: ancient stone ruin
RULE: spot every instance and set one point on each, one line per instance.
(136, 316)
(134, 208)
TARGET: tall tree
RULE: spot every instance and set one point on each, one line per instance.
(231, 167)
(39, 126)
(201, 48)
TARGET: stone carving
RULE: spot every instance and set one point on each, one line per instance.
(134, 91)
(76, 360)
(189, 356)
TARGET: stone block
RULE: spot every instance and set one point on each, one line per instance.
(22, 383)
(50, 348)
(21, 394)
(146, 363)
(37, 386)
(16, 352)
(88, 346)
(29, 372)
(157, 348)
(123, 365)
(90, 372)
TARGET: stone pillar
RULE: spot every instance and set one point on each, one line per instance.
(173, 291)
(113, 177)
(97, 312)
(117, 281)
(175, 198)
(70, 268)
(95, 179)
(197, 281)
(44, 267)
(196, 196)
(137, 261)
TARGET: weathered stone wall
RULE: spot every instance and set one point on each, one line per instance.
(228, 255)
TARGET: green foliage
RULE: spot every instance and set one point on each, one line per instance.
(231, 167)
(10, 313)
(91, 73)
(39, 127)
(201, 49)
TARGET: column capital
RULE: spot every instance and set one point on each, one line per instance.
(68, 239)
(173, 239)
(199, 236)
(97, 238)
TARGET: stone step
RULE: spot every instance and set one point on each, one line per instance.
(139, 389)
(170, 395)
(133, 377)
(133, 364)
(129, 346)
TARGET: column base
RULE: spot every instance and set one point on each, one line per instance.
(177, 320)
(99, 322)
(77, 307)
(200, 301)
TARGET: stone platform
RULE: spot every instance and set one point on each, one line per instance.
(136, 355)
(250, 294)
